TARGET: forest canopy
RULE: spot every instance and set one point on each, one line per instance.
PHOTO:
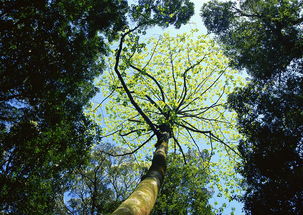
(265, 38)
(103, 113)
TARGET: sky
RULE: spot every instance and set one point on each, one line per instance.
(194, 23)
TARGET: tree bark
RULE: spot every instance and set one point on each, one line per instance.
(142, 200)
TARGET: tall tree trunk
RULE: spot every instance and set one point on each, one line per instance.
(142, 200)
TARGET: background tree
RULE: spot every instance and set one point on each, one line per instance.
(184, 190)
(100, 187)
(50, 53)
(172, 89)
(265, 39)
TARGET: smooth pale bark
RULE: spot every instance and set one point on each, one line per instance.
(142, 200)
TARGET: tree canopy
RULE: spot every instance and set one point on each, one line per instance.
(179, 83)
(261, 36)
(179, 96)
(265, 39)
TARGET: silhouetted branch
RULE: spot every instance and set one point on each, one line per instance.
(194, 142)
(197, 109)
(134, 120)
(176, 141)
(172, 70)
(116, 68)
(201, 84)
(214, 104)
(208, 134)
(132, 152)
(203, 118)
(192, 128)
(107, 135)
(221, 141)
(104, 99)
(130, 132)
(184, 90)
(152, 55)
(151, 77)
(204, 90)
(214, 82)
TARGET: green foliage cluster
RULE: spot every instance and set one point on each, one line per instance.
(184, 190)
(265, 38)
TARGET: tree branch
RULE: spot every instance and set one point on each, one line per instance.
(212, 106)
(130, 132)
(155, 104)
(134, 103)
(214, 82)
(193, 128)
(104, 100)
(151, 77)
(184, 83)
(172, 69)
(225, 144)
(132, 152)
(194, 142)
(176, 141)
(197, 109)
(152, 55)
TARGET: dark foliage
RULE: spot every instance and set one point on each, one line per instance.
(48, 62)
(260, 36)
(271, 118)
(265, 39)
(100, 186)
(162, 12)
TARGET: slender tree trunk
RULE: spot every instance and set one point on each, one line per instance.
(93, 199)
(142, 200)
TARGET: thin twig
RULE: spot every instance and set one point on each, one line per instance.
(194, 142)
(132, 152)
(215, 103)
(107, 135)
(214, 82)
(152, 55)
(193, 128)
(172, 69)
(184, 83)
(176, 141)
(155, 104)
(197, 109)
(104, 100)
(151, 77)
(130, 132)
(225, 144)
